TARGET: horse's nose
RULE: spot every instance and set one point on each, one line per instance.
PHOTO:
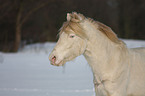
(53, 59)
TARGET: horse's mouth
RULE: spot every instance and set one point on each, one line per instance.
(61, 63)
(56, 62)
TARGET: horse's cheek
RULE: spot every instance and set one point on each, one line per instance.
(81, 48)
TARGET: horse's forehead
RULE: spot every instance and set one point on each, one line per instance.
(73, 27)
(65, 26)
(67, 30)
(64, 33)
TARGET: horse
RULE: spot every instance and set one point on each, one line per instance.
(117, 70)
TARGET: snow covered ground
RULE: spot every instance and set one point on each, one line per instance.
(29, 73)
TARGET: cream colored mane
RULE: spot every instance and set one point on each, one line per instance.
(74, 24)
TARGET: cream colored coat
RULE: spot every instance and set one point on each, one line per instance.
(118, 71)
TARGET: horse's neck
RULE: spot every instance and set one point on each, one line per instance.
(102, 55)
(99, 48)
(99, 55)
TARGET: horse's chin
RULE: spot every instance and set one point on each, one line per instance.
(61, 63)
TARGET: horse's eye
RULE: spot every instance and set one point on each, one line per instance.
(72, 36)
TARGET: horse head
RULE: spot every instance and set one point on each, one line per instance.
(71, 41)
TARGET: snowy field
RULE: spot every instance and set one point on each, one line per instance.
(29, 73)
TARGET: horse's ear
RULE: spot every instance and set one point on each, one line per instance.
(77, 17)
(68, 17)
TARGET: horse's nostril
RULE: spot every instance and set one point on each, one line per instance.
(53, 58)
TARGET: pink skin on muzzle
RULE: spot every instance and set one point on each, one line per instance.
(53, 60)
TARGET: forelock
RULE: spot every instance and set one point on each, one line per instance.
(76, 27)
